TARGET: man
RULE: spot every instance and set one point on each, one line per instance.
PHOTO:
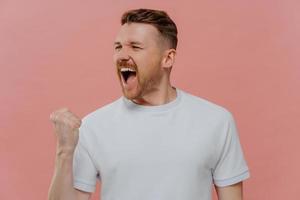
(156, 142)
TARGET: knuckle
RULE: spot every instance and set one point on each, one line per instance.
(65, 117)
(64, 109)
(53, 116)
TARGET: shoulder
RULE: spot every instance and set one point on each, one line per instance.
(105, 112)
(204, 108)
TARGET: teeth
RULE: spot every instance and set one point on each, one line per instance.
(125, 69)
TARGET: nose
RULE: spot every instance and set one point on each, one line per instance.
(123, 54)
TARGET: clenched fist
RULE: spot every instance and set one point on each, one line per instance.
(66, 125)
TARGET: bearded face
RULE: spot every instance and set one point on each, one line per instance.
(138, 59)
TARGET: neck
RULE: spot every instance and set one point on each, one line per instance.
(159, 96)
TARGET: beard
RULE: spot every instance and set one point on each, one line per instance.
(144, 85)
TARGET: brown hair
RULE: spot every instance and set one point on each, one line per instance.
(158, 18)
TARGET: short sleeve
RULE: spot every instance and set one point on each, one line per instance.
(84, 170)
(231, 166)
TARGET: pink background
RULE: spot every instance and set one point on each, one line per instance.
(243, 55)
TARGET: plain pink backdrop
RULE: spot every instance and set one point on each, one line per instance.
(243, 55)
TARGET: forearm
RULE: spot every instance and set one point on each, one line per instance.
(62, 182)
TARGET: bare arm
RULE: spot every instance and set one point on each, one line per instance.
(66, 127)
(232, 192)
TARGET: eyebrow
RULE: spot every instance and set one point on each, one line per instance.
(131, 43)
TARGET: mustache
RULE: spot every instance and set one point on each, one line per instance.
(124, 63)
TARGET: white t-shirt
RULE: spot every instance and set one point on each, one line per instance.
(172, 151)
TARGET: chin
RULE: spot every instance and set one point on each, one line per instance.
(132, 95)
(129, 95)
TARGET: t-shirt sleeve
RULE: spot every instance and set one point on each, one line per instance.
(84, 170)
(231, 166)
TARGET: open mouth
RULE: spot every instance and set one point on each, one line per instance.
(127, 73)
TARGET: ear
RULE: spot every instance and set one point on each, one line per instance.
(168, 58)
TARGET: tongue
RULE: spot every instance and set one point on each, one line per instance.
(131, 82)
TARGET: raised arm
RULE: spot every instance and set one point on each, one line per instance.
(66, 126)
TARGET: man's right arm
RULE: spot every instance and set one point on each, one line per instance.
(66, 126)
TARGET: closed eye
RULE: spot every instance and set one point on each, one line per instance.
(118, 47)
(136, 47)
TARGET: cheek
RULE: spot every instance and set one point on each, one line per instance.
(154, 65)
(147, 65)
(114, 59)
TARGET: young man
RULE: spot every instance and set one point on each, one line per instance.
(156, 142)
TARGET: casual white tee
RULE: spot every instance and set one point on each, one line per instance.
(172, 151)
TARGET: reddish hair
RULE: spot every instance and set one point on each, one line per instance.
(159, 19)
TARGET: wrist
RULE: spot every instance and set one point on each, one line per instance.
(64, 152)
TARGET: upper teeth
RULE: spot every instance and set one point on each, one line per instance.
(127, 69)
